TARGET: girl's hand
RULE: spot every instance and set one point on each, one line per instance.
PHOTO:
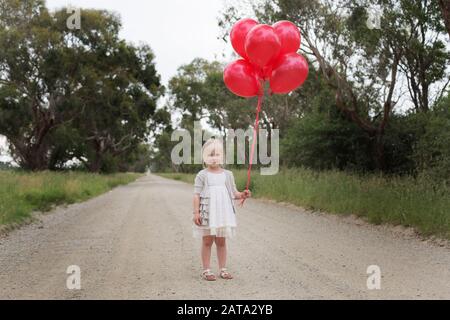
(246, 194)
(197, 219)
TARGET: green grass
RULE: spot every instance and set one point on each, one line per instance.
(418, 203)
(21, 193)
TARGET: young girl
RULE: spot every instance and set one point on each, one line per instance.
(218, 190)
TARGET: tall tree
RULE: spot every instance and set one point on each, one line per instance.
(72, 93)
(198, 91)
(28, 65)
(365, 65)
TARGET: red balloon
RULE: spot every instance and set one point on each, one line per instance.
(239, 33)
(262, 45)
(289, 35)
(242, 79)
(289, 73)
(266, 72)
(263, 73)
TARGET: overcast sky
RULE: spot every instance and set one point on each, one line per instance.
(177, 30)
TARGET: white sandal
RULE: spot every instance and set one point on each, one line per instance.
(224, 274)
(208, 275)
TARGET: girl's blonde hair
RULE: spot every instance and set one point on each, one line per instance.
(211, 145)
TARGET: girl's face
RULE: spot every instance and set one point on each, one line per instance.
(213, 157)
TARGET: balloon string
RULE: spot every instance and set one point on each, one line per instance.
(255, 132)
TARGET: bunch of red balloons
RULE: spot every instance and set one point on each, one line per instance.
(268, 53)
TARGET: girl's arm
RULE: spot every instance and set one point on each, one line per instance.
(196, 214)
(237, 194)
(244, 194)
(196, 203)
(198, 186)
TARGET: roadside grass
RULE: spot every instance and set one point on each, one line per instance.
(22, 192)
(420, 203)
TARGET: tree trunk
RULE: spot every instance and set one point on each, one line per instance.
(95, 164)
(30, 157)
(379, 156)
(33, 152)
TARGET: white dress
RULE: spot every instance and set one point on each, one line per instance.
(222, 219)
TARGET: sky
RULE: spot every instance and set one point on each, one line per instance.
(177, 31)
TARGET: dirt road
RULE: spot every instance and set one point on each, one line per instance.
(135, 243)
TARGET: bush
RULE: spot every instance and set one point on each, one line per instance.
(324, 141)
(432, 151)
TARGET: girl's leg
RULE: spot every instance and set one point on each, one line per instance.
(221, 246)
(221, 251)
(206, 251)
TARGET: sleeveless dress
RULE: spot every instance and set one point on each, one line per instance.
(222, 219)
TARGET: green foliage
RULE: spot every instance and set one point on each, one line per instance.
(415, 143)
(432, 151)
(367, 74)
(65, 94)
(323, 141)
(198, 92)
(5, 165)
(419, 203)
(24, 192)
